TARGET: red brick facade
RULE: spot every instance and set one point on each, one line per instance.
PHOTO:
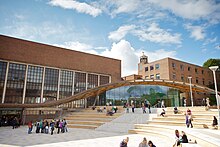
(13, 49)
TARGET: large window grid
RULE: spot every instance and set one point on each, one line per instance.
(66, 84)
(34, 84)
(80, 82)
(50, 84)
(3, 67)
(104, 80)
(15, 83)
(92, 81)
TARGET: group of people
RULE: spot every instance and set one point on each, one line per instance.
(144, 105)
(13, 121)
(108, 109)
(180, 138)
(143, 143)
(46, 127)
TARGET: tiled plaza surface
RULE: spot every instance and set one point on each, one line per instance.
(73, 138)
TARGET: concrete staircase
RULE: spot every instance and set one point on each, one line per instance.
(89, 119)
(164, 127)
(201, 117)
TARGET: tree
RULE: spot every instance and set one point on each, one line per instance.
(211, 62)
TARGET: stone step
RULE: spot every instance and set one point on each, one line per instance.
(208, 116)
(182, 119)
(89, 116)
(98, 123)
(174, 123)
(189, 132)
(89, 119)
(82, 126)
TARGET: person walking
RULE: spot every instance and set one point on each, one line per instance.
(30, 126)
(143, 108)
(52, 124)
(132, 107)
(149, 107)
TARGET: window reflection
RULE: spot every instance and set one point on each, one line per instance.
(3, 66)
(15, 83)
(50, 84)
(34, 84)
(66, 84)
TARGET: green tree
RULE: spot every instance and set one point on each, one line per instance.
(211, 62)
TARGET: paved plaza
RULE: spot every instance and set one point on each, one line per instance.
(108, 135)
(73, 138)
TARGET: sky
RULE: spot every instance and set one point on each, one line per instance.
(187, 30)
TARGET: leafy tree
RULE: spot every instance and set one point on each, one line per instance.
(211, 62)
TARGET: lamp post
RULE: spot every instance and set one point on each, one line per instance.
(190, 85)
(214, 68)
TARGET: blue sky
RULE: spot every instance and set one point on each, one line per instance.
(187, 30)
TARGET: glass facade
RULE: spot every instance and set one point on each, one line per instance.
(50, 84)
(104, 80)
(66, 84)
(92, 81)
(34, 84)
(15, 83)
(25, 82)
(80, 82)
(139, 94)
(3, 66)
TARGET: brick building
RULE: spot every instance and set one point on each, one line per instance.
(176, 70)
(34, 73)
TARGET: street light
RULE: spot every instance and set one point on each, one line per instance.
(190, 84)
(214, 68)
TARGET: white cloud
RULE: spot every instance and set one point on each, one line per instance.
(124, 6)
(210, 40)
(217, 47)
(79, 7)
(123, 51)
(126, 53)
(121, 32)
(197, 32)
(158, 54)
(153, 33)
(78, 46)
(193, 9)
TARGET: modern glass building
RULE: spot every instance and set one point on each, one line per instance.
(138, 94)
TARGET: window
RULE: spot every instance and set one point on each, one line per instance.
(140, 67)
(157, 66)
(181, 67)
(92, 81)
(51, 84)
(151, 67)
(146, 77)
(174, 76)
(196, 70)
(104, 80)
(157, 76)
(15, 83)
(202, 71)
(151, 76)
(34, 84)
(3, 66)
(203, 81)
(182, 78)
(197, 81)
(173, 65)
(146, 68)
(189, 68)
(66, 84)
(80, 82)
